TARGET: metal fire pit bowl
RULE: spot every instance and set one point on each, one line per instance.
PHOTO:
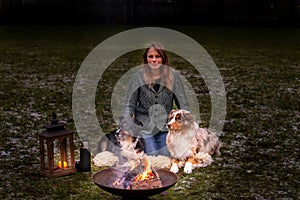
(106, 177)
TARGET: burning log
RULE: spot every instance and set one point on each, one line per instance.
(147, 179)
(124, 181)
(146, 184)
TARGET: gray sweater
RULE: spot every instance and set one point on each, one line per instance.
(151, 107)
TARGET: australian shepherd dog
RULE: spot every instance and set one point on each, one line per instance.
(189, 145)
(123, 141)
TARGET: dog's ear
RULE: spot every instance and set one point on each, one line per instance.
(172, 111)
(188, 116)
(140, 144)
(171, 114)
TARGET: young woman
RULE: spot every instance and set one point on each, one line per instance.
(151, 96)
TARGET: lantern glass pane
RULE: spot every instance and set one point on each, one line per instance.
(57, 153)
(45, 148)
(68, 151)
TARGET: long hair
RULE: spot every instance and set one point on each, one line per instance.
(167, 77)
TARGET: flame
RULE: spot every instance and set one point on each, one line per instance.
(59, 164)
(147, 173)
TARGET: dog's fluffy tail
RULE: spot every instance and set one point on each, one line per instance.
(203, 159)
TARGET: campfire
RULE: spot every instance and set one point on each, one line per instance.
(136, 180)
(105, 179)
(140, 176)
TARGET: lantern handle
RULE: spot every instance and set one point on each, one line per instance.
(54, 119)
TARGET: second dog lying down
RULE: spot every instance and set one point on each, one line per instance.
(123, 141)
(188, 144)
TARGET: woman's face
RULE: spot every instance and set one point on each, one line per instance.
(154, 59)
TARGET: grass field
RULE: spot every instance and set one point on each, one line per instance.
(261, 72)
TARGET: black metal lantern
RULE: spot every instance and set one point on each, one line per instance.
(57, 149)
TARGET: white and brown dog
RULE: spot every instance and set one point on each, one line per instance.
(189, 145)
(125, 142)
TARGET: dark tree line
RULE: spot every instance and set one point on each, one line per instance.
(149, 11)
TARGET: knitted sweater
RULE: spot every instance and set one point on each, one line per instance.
(151, 107)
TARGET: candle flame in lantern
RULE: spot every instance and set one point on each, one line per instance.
(59, 164)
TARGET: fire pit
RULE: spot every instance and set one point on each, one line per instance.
(106, 178)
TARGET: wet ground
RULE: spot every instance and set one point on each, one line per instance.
(260, 68)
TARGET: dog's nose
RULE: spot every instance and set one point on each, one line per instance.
(168, 126)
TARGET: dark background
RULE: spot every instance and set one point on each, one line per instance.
(136, 12)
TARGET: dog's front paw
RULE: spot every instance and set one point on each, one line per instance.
(188, 168)
(174, 168)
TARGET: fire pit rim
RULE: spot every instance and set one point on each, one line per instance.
(164, 174)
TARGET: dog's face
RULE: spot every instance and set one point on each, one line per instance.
(178, 119)
(125, 138)
(129, 137)
(129, 142)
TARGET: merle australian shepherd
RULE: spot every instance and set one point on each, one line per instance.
(189, 145)
(125, 137)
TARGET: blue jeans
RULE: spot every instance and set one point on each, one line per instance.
(156, 144)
